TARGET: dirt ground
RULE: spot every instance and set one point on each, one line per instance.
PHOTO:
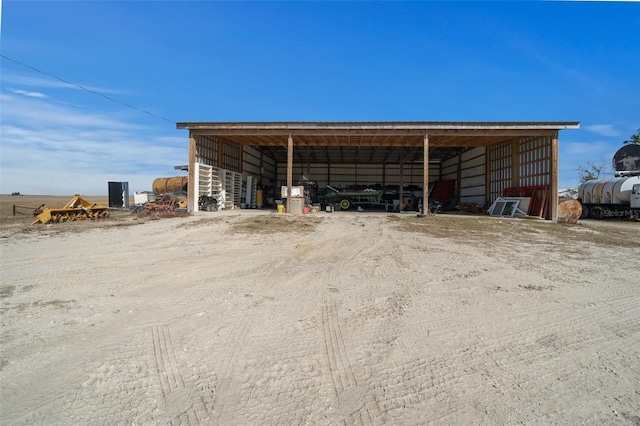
(256, 318)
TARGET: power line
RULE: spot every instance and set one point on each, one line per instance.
(88, 90)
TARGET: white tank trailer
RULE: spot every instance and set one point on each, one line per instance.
(618, 197)
(610, 198)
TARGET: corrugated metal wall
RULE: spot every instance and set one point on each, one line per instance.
(258, 165)
(526, 162)
(207, 150)
(231, 157)
(344, 175)
(474, 183)
(251, 161)
(500, 169)
(534, 161)
(473, 176)
(261, 167)
(469, 170)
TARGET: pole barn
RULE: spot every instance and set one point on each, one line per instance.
(478, 159)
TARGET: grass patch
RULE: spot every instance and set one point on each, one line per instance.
(7, 291)
(485, 229)
(536, 287)
(55, 303)
(202, 222)
(276, 224)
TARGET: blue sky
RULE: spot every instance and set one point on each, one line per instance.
(298, 61)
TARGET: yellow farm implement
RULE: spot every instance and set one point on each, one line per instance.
(76, 209)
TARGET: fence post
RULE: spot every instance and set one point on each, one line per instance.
(14, 209)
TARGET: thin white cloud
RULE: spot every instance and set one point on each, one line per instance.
(578, 150)
(36, 113)
(44, 82)
(606, 130)
(28, 93)
(57, 161)
(49, 148)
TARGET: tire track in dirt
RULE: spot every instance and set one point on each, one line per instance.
(510, 352)
(515, 361)
(355, 402)
(283, 285)
(225, 384)
(182, 405)
(268, 278)
(228, 371)
(105, 377)
(278, 283)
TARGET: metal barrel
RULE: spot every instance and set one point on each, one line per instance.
(169, 185)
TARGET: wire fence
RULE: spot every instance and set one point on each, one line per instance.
(23, 210)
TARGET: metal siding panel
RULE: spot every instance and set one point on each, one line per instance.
(251, 156)
(534, 159)
(392, 171)
(472, 181)
(473, 171)
(450, 176)
(479, 199)
(472, 162)
(479, 152)
(451, 162)
(251, 169)
(447, 170)
(472, 191)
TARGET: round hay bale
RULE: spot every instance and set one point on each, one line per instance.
(569, 211)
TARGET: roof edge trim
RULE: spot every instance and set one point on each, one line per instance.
(400, 126)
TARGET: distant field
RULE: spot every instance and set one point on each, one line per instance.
(26, 204)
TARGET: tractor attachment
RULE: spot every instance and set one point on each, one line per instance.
(76, 209)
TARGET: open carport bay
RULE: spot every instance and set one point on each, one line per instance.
(479, 159)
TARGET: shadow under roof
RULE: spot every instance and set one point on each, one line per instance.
(370, 142)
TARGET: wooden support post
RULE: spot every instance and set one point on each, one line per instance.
(487, 175)
(384, 174)
(456, 191)
(221, 145)
(261, 165)
(425, 176)
(515, 179)
(553, 181)
(289, 171)
(192, 191)
(401, 192)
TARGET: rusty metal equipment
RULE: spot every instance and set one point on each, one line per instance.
(163, 206)
(175, 186)
(169, 185)
(76, 209)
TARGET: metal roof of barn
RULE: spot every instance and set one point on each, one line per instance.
(371, 142)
